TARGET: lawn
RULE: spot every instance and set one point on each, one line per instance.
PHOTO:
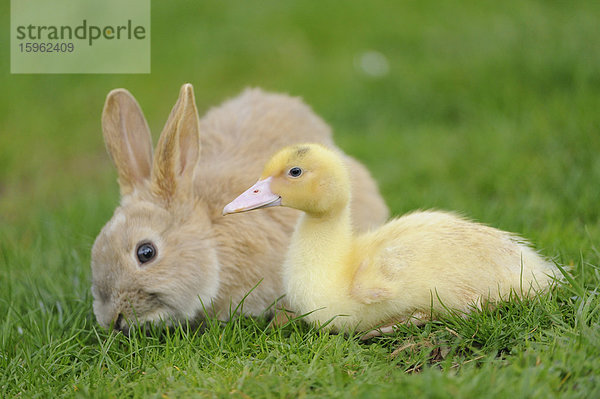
(491, 109)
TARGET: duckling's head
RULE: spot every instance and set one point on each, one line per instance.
(308, 177)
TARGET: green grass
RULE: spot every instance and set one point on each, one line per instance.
(489, 108)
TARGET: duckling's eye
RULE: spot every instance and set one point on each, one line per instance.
(145, 252)
(295, 172)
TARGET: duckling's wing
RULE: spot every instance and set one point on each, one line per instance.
(368, 286)
(378, 277)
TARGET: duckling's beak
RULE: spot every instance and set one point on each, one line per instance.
(257, 196)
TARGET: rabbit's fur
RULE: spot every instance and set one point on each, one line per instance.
(204, 262)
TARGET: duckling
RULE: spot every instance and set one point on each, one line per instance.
(413, 268)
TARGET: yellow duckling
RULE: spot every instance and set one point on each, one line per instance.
(409, 270)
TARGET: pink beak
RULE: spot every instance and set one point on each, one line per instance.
(257, 196)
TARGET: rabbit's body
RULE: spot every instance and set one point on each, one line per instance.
(172, 203)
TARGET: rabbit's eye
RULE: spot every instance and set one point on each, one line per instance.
(146, 252)
(295, 172)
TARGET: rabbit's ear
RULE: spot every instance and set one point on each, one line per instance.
(127, 139)
(178, 149)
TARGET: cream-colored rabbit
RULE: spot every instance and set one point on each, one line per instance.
(167, 253)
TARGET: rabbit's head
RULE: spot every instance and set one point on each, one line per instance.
(156, 254)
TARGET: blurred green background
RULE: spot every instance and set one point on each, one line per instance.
(487, 108)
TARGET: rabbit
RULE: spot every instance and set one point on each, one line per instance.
(167, 255)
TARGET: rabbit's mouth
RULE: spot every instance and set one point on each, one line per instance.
(123, 325)
(119, 323)
(149, 317)
(154, 328)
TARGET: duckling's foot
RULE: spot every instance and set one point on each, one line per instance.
(379, 332)
(281, 317)
(417, 319)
